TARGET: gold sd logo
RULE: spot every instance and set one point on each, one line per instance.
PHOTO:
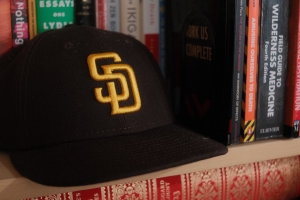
(113, 98)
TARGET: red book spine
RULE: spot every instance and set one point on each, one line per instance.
(101, 14)
(250, 71)
(292, 93)
(272, 179)
(151, 26)
(152, 43)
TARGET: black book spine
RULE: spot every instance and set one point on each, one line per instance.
(237, 76)
(19, 22)
(272, 68)
(85, 13)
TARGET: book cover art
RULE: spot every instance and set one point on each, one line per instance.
(150, 26)
(84, 12)
(131, 18)
(54, 14)
(292, 93)
(19, 22)
(209, 54)
(5, 27)
(272, 69)
(248, 123)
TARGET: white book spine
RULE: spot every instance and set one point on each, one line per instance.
(113, 15)
(130, 18)
(150, 16)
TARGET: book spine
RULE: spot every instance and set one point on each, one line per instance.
(271, 179)
(84, 12)
(150, 24)
(101, 14)
(162, 37)
(19, 22)
(53, 14)
(292, 93)
(250, 71)
(113, 15)
(273, 69)
(32, 19)
(5, 27)
(237, 77)
(131, 18)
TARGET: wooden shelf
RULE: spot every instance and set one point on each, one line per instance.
(14, 186)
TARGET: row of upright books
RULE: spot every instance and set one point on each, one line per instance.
(238, 68)
(141, 19)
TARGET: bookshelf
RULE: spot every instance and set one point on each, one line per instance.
(13, 186)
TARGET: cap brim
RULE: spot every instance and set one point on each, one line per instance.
(94, 161)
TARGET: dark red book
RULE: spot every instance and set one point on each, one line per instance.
(270, 179)
(292, 93)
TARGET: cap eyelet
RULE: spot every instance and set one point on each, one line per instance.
(68, 45)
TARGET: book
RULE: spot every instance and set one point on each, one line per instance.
(292, 87)
(250, 71)
(176, 10)
(131, 18)
(19, 22)
(54, 14)
(150, 26)
(239, 15)
(32, 27)
(272, 69)
(84, 12)
(108, 15)
(270, 179)
(113, 15)
(162, 38)
(101, 14)
(209, 51)
(5, 27)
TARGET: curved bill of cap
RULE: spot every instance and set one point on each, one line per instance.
(106, 159)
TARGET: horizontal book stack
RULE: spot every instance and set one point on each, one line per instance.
(271, 179)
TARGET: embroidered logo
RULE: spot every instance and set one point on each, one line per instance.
(113, 98)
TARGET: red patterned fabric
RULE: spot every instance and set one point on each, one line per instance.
(277, 179)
